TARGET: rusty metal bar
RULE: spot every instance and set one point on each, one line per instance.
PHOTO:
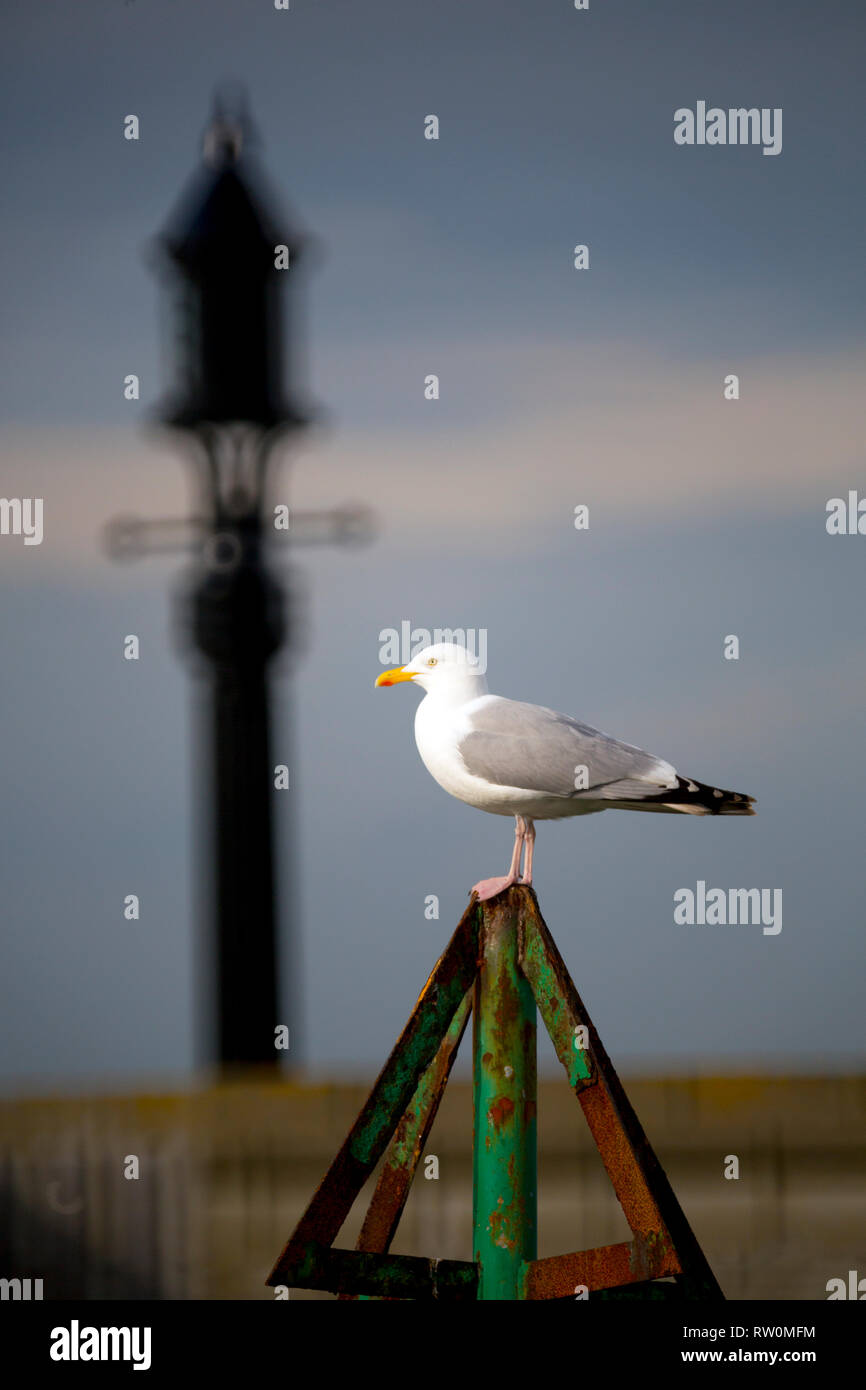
(638, 1179)
(415, 1049)
(557, 999)
(405, 1150)
(608, 1266)
(505, 1101)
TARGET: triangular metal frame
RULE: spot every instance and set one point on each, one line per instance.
(662, 1260)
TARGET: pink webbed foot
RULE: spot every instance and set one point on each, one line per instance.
(490, 887)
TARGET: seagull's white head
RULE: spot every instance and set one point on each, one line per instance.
(445, 668)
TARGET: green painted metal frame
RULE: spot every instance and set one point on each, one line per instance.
(405, 1150)
(502, 963)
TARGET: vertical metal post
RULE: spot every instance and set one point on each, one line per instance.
(505, 1186)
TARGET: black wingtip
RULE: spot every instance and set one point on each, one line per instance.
(698, 798)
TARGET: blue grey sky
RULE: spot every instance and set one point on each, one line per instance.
(558, 387)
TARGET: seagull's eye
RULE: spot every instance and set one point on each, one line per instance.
(431, 660)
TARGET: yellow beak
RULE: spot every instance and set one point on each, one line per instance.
(394, 677)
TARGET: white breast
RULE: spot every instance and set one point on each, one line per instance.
(439, 727)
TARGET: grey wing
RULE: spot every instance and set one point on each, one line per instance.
(512, 744)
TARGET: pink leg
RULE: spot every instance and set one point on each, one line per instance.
(530, 849)
(489, 887)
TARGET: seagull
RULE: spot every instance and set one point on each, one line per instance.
(521, 760)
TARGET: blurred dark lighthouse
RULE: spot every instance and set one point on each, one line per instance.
(223, 251)
(226, 260)
(229, 259)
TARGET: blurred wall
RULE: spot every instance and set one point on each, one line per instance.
(224, 1174)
